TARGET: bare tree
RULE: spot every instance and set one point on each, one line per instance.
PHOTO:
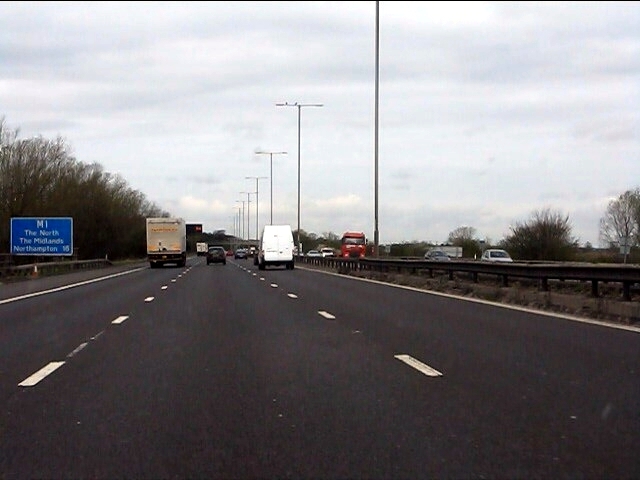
(462, 234)
(465, 237)
(621, 221)
(331, 237)
(546, 236)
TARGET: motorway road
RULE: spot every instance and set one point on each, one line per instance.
(228, 372)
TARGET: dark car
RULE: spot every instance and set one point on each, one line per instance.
(216, 255)
(241, 253)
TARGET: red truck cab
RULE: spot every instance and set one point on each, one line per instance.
(353, 245)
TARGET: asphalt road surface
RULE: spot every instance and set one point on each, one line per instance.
(223, 371)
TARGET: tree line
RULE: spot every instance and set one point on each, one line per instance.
(41, 178)
(545, 235)
(548, 235)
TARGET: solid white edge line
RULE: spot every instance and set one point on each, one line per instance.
(326, 315)
(418, 365)
(40, 374)
(66, 287)
(120, 319)
(564, 316)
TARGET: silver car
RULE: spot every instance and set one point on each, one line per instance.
(496, 255)
(436, 256)
(240, 253)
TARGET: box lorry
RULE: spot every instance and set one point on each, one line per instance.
(202, 248)
(166, 241)
(276, 247)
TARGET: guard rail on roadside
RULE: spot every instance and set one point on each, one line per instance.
(50, 268)
(626, 275)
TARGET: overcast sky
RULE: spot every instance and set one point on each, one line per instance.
(488, 111)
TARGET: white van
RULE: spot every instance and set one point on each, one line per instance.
(276, 247)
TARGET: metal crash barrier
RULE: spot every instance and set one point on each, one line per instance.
(626, 275)
(9, 272)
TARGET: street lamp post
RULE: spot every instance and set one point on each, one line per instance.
(299, 105)
(271, 154)
(236, 222)
(241, 230)
(257, 204)
(248, 214)
(376, 232)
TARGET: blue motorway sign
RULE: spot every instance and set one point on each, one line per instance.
(42, 236)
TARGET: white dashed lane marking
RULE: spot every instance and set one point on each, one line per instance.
(292, 295)
(149, 299)
(418, 365)
(97, 335)
(40, 374)
(120, 319)
(274, 285)
(326, 315)
(78, 349)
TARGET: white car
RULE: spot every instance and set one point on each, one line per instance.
(496, 255)
(327, 252)
(314, 253)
